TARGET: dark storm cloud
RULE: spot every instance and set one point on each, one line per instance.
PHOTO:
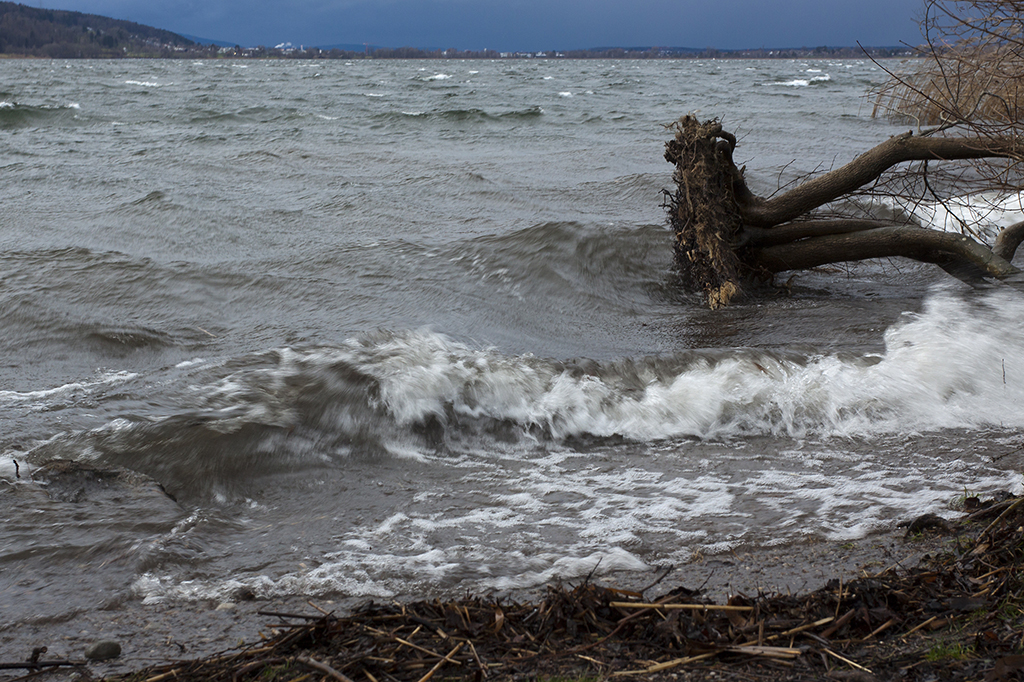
(526, 24)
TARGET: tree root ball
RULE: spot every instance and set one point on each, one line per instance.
(703, 210)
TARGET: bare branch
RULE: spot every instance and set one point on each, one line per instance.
(867, 167)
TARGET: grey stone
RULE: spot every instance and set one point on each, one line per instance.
(102, 650)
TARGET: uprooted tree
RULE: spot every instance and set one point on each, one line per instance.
(968, 86)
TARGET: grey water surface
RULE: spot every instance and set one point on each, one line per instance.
(385, 326)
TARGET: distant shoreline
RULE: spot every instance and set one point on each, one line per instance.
(62, 34)
(402, 54)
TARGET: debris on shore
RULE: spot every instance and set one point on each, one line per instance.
(957, 616)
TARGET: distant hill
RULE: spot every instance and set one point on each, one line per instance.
(35, 32)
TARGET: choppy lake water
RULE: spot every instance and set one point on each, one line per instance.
(391, 326)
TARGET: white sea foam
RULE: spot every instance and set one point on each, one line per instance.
(46, 398)
(438, 77)
(514, 515)
(6, 105)
(984, 214)
(565, 94)
(567, 567)
(566, 514)
(912, 386)
(145, 84)
(369, 574)
(804, 82)
(554, 521)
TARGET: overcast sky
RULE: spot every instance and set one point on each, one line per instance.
(524, 24)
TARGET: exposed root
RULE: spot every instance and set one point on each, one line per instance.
(703, 209)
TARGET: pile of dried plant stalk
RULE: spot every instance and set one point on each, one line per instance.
(958, 616)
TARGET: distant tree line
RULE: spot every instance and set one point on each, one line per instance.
(59, 34)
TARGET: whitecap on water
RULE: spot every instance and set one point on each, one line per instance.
(47, 398)
(804, 82)
(510, 514)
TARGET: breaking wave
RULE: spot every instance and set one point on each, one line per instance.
(14, 115)
(416, 378)
(957, 364)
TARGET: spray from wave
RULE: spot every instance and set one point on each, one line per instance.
(955, 365)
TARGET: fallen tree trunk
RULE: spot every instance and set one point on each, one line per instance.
(726, 236)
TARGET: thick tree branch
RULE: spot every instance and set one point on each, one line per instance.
(758, 237)
(1008, 240)
(896, 240)
(866, 168)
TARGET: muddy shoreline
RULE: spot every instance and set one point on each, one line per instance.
(152, 634)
